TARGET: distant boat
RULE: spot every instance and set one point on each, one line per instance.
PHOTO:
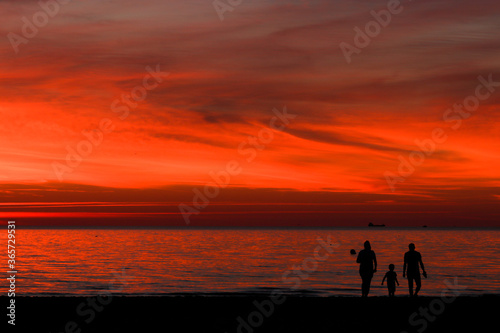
(424, 226)
(375, 225)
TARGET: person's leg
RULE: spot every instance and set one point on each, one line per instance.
(418, 283)
(368, 283)
(363, 285)
(410, 284)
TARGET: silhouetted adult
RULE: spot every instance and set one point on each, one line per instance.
(410, 268)
(368, 266)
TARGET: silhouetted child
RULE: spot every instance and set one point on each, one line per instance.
(392, 279)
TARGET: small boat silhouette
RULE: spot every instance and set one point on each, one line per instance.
(375, 225)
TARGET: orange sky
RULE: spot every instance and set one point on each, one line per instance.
(353, 121)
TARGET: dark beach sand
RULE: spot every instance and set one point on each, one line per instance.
(219, 314)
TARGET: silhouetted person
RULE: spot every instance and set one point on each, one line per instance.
(368, 266)
(392, 279)
(410, 267)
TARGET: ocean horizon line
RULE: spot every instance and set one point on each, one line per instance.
(66, 227)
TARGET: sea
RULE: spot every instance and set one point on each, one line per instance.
(209, 262)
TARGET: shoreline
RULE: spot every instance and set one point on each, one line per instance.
(242, 295)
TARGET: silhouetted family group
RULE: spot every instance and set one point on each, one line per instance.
(368, 266)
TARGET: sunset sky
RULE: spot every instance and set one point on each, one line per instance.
(349, 125)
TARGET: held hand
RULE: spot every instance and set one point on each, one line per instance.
(375, 271)
(382, 284)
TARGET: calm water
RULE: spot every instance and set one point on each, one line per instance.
(83, 262)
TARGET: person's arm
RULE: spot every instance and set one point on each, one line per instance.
(421, 263)
(384, 279)
(396, 278)
(358, 260)
(375, 262)
(423, 268)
